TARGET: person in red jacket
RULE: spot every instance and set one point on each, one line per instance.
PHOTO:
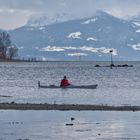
(64, 82)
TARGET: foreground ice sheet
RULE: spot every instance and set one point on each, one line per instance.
(69, 125)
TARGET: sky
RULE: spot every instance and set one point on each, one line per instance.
(15, 13)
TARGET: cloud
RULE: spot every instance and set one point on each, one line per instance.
(17, 12)
(12, 19)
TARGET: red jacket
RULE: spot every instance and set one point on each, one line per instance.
(64, 82)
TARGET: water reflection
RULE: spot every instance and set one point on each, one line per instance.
(51, 125)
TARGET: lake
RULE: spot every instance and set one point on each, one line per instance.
(53, 125)
(117, 86)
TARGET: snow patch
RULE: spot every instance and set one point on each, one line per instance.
(57, 48)
(31, 28)
(91, 38)
(52, 49)
(138, 24)
(41, 28)
(101, 50)
(107, 50)
(89, 21)
(75, 35)
(90, 49)
(136, 47)
(77, 54)
(138, 31)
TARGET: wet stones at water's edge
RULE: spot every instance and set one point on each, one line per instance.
(78, 107)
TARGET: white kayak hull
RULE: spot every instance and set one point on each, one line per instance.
(70, 86)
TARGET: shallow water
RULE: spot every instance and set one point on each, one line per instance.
(117, 86)
(87, 125)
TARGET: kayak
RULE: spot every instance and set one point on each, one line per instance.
(70, 86)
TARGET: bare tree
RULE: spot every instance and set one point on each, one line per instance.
(5, 42)
(12, 52)
(7, 50)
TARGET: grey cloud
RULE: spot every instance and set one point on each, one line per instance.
(75, 8)
(79, 7)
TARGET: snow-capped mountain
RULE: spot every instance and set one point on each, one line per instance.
(92, 38)
(43, 19)
(136, 22)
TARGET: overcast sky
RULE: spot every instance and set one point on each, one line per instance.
(15, 13)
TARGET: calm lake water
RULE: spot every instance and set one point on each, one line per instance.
(87, 125)
(117, 86)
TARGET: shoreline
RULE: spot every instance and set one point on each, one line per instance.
(65, 107)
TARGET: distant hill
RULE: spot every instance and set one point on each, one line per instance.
(86, 39)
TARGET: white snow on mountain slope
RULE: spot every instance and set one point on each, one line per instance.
(77, 54)
(75, 35)
(107, 51)
(138, 31)
(135, 46)
(92, 39)
(31, 28)
(102, 50)
(136, 23)
(95, 37)
(52, 49)
(90, 49)
(89, 21)
(41, 28)
(99, 50)
(57, 48)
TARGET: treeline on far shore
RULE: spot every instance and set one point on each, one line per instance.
(21, 60)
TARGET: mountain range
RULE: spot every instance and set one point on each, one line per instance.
(86, 39)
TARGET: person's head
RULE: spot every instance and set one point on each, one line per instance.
(65, 77)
